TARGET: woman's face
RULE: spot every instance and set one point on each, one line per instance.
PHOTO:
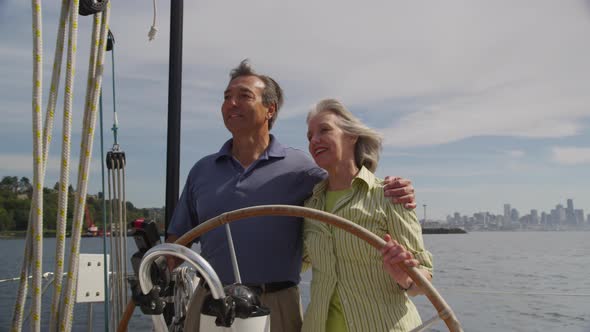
(328, 144)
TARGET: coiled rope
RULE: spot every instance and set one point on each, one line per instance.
(90, 113)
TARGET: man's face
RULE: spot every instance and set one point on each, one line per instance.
(242, 109)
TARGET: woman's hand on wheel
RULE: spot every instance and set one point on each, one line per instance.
(394, 253)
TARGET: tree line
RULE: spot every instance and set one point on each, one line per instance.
(15, 203)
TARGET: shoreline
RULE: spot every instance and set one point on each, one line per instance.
(442, 230)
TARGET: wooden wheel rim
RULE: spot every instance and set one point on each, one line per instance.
(444, 310)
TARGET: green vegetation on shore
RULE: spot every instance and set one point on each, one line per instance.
(15, 202)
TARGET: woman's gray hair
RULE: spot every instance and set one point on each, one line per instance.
(368, 145)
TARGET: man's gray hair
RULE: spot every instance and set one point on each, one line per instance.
(272, 94)
(368, 145)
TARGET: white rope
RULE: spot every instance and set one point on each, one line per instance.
(154, 29)
(91, 74)
(37, 227)
(69, 8)
(21, 295)
(85, 158)
(48, 128)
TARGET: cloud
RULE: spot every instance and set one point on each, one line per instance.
(424, 73)
(571, 155)
(515, 153)
(479, 69)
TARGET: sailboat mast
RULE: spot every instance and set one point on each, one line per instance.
(174, 108)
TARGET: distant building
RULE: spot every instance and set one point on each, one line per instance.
(514, 215)
(544, 218)
(569, 212)
(559, 218)
(560, 214)
(507, 215)
(457, 218)
(579, 216)
(535, 217)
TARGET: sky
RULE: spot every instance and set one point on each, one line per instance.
(481, 103)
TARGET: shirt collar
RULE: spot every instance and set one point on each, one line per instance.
(274, 150)
(366, 176)
(363, 176)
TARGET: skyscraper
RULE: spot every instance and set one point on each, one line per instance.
(507, 214)
(560, 213)
(579, 216)
(514, 215)
(569, 212)
(534, 216)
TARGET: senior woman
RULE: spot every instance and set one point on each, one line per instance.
(353, 286)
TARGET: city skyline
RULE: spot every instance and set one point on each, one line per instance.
(560, 215)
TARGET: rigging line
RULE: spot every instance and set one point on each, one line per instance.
(104, 221)
(113, 251)
(125, 293)
(65, 160)
(115, 164)
(37, 227)
(45, 275)
(118, 220)
(85, 120)
(85, 158)
(115, 119)
(48, 128)
(49, 282)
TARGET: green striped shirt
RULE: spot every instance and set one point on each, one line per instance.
(371, 299)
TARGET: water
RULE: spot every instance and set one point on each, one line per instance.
(494, 281)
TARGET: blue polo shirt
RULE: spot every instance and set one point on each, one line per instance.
(268, 249)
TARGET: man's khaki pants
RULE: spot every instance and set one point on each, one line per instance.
(285, 310)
